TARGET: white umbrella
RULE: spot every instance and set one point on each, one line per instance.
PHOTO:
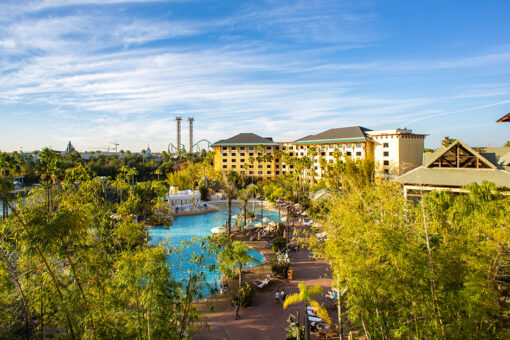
(269, 227)
(284, 218)
(266, 220)
(250, 227)
(218, 230)
(236, 216)
(273, 224)
(260, 225)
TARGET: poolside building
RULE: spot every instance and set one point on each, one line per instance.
(394, 151)
(450, 168)
(247, 154)
(184, 201)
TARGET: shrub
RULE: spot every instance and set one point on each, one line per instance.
(204, 193)
(279, 268)
(279, 244)
(244, 295)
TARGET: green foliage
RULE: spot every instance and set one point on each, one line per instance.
(245, 295)
(279, 268)
(234, 255)
(437, 269)
(204, 192)
(507, 144)
(84, 269)
(447, 141)
(279, 244)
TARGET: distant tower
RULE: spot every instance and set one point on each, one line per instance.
(191, 120)
(178, 119)
(70, 147)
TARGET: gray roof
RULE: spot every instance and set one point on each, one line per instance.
(454, 177)
(501, 154)
(352, 133)
(245, 139)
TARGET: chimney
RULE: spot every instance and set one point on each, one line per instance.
(191, 120)
(178, 119)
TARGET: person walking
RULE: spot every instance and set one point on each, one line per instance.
(277, 296)
(282, 295)
(237, 311)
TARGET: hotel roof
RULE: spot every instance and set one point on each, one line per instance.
(245, 139)
(505, 118)
(339, 135)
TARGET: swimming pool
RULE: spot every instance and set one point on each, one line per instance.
(187, 227)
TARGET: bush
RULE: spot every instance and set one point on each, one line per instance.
(204, 192)
(279, 244)
(244, 295)
(279, 269)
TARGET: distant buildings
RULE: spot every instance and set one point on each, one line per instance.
(394, 151)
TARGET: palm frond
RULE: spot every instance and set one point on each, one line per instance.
(291, 300)
(321, 312)
(315, 290)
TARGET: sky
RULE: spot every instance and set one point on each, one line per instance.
(102, 71)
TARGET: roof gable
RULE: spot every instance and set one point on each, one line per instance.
(505, 118)
(458, 155)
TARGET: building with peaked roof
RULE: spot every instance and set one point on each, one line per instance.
(505, 118)
(394, 151)
(451, 168)
(70, 148)
(247, 154)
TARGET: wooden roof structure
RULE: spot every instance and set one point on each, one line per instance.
(459, 155)
(505, 118)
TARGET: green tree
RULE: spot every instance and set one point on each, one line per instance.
(447, 141)
(235, 254)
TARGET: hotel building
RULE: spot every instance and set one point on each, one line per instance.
(394, 151)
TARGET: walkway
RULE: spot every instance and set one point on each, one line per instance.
(264, 319)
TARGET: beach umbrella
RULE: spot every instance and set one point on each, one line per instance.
(236, 216)
(218, 230)
(273, 224)
(284, 218)
(260, 225)
(250, 227)
(266, 220)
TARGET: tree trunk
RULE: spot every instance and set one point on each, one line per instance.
(229, 214)
(240, 274)
(244, 213)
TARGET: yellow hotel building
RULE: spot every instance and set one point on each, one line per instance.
(395, 151)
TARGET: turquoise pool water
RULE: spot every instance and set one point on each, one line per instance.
(187, 227)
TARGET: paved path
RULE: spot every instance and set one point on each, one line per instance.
(265, 319)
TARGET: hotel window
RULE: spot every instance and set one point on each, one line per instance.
(315, 167)
(251, 166)
(260, 172)
(224, 166)
(242, 172)
(234, 154)
(291, 147)
(291, 154)
(386, 145)
(386, 171)
(251, 153)
(331, 161)
(260, 166)
(358, 153)
(323, 153)
(358, 145)
(241, 154)
(242, 160)
(268, 148)
(331, 153)
(292, 166)
(224, 155)
(386, 153)
(301, 154)
(224, 148)
(233, 160)
(349, 153)
(386, 162)
(284, 172)
(252, 148)
(241, 148)
(224, 161)
(269, 166)
(284, 147)
(277, 172)
(233, 166)
(251, 172)
(269, 172)
(277, 148)
(284, 166)
(233, 148)
(259, 154)
(277, 166)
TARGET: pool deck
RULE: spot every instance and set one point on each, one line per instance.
(265, 319)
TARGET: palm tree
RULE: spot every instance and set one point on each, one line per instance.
(158, 172)
(229, 189)
(244, 195)
(235, 254)
(305, 295)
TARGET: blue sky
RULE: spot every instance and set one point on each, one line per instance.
(97, 71)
